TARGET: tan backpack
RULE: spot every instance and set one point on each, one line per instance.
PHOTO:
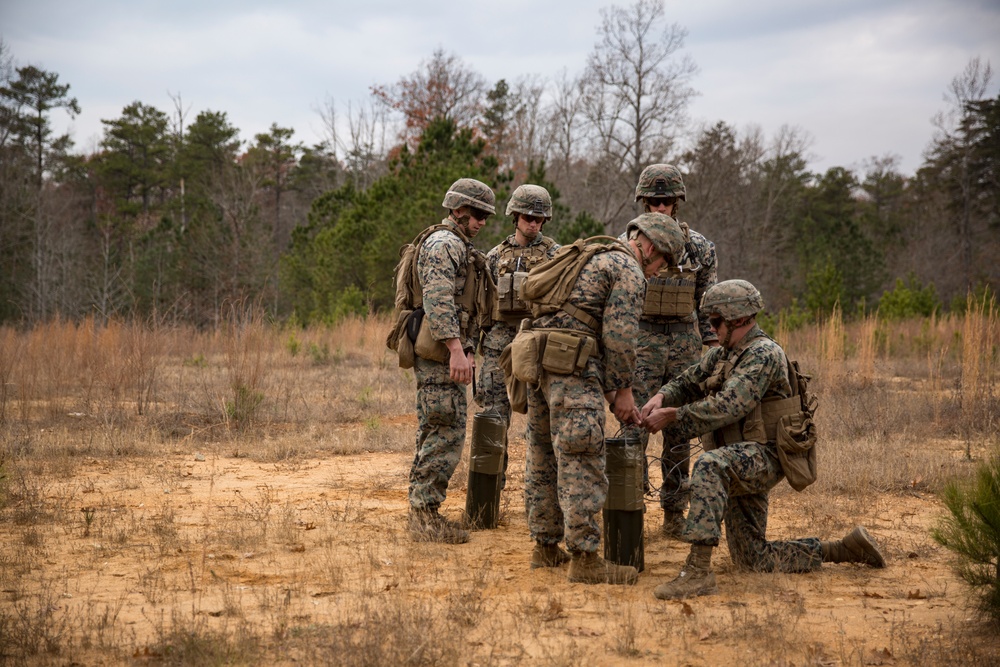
(548, 285)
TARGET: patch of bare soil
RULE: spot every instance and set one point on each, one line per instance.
(310, 561)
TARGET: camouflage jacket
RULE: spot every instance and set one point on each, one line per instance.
(611, 288)
(706, 274)
(510, 246)
(759, 371)
(442, 264)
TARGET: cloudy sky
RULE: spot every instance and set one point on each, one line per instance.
(862, 77)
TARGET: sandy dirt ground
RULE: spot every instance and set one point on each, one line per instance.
(206, 542)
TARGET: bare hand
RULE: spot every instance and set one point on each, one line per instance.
(624, 407)
(659, 418)
(460, 364)
(653, 403)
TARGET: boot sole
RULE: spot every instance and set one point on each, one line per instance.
(872, 554)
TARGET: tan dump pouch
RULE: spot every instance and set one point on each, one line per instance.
(567, 353)
(426, 347)
(624, 468)
(517, 390)
(665, 300)
(796, 442)
(404, 349)
(524, 355)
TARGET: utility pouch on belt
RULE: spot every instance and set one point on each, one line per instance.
(566, 353)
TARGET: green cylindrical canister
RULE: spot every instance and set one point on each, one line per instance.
(482, 500)
(624, 507)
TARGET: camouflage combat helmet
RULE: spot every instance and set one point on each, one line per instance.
(732, 299)
(530, 200)
(470, 192)
(660, 180)
(663, 231)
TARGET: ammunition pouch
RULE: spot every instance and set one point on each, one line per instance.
(510, 308)
(666, 298)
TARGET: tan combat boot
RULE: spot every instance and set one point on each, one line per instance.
(586, 567)
(696, 578)
(673, 524)
(427, 525)
(855, 547)
(548, 555)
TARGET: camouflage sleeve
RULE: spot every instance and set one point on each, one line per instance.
(438, 265)
(552, 250)
(493, 262)
(707, 276)
(620, 325)
(686, 386)
(758, 368)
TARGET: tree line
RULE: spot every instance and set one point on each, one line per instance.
(178, 216)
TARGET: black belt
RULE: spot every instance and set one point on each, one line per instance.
(666, 327)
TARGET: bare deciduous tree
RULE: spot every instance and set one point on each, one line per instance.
(442, 87)
(952, 150)
(637, 89)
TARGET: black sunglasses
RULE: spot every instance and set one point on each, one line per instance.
(477, 213)
(532, 218)
(716, 321)
(656, 202)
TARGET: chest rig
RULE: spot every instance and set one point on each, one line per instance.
(760, 425)
(512, 268)
(670, 293)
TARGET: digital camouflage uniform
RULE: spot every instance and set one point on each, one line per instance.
(666, 346)
(731, 484)
(442, 264)
(565, 480)
(491, 393)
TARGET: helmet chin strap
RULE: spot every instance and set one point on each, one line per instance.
(462, 221)
(644, 259)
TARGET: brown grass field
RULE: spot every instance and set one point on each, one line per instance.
(173, 496)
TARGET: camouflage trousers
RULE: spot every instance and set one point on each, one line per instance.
(441, 417)
(660, 357)
(565, 484)
(731, 485)
(491, 392)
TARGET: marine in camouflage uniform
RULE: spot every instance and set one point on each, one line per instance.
(565, 481)
(442, 266)
(671, 331)
(730, 482)
(531, 206)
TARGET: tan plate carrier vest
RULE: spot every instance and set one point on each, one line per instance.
(761, 425)
(670, 293)
(476, 298)
(512, 269)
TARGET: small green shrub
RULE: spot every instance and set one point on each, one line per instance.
(293, 345)
(320, 354)
(972, 530)
(909, 299)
